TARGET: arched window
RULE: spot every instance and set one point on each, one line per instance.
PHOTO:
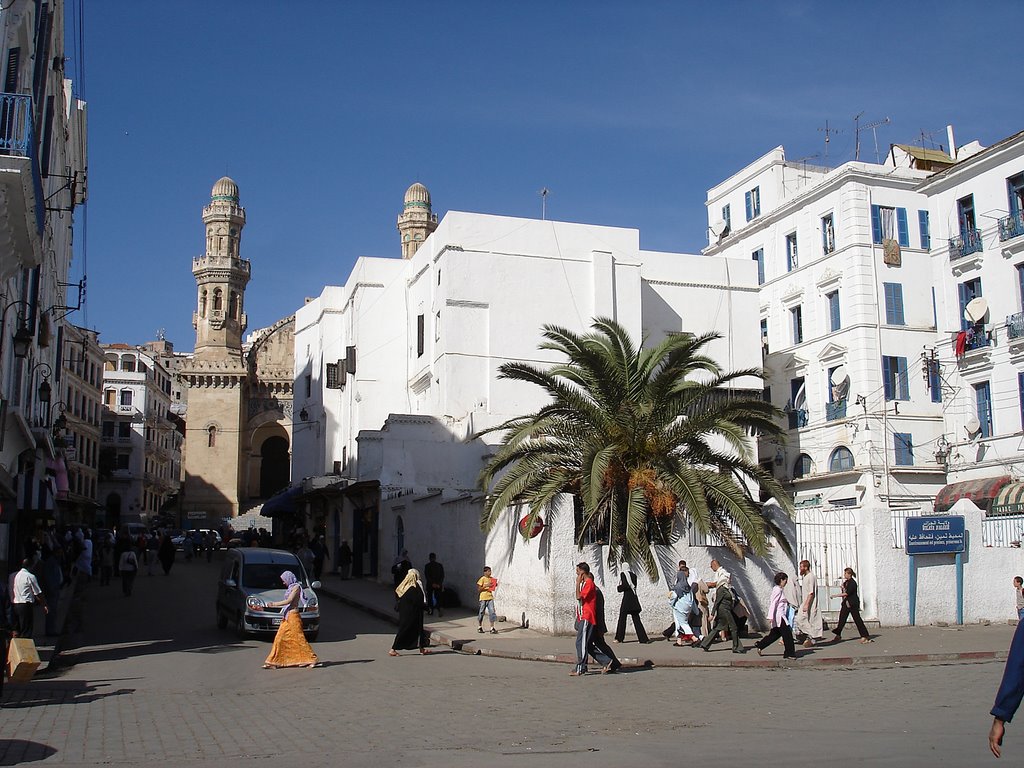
(841, 460)
(218, 300)
(233, 306)
(803, 466)
(211, 437)
(202, 304)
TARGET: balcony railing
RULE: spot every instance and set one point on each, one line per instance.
(835, 410)
(798, 418)
(17, 139)
(966, 243)
(1011, 226)
(1015, 326)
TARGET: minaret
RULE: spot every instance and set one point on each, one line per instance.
(415, 222)
(216, 374)
(221, 276)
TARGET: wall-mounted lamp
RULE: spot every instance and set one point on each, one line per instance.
(22, 337)
(304, 414)
(780, 458)
(61, 422)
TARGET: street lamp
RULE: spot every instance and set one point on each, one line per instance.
(61, 422)
(22, 337)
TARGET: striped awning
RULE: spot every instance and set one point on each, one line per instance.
(1009, 500)
(981, 492)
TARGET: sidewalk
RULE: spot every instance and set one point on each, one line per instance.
(893, 645)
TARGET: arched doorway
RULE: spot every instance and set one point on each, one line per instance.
(275, 469)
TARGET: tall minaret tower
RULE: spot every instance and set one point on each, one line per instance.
(221, 276)
(216, 375)
(415, 222)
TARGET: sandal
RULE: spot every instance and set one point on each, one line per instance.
(392, 652)
(866, 640)
(480, 630)
(494, 631)
(760, 652)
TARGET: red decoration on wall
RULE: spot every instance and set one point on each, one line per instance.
(538, 526)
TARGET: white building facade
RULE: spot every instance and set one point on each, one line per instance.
(397, 369)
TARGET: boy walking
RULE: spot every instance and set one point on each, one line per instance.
(486, 587)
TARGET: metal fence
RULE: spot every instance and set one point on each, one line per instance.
(1002, 531)
(898, 519)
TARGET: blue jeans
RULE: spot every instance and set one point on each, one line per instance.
(1020, 614)
(488, 606)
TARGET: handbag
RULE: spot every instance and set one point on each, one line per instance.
(22, 659)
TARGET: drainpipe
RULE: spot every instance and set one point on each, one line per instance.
(878, 341)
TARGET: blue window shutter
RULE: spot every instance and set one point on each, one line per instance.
(902, 382)
(902, 229)
(935, 380)
(833, 307)
(903, 443)
(1020, 395)
(897, 304)
(876, 224)
(926, 232)
(750, 210)
(887, 294)
(983, 400)
(727, 217)
(887, 379)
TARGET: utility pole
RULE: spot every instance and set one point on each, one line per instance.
(544, 192)
(829, 132)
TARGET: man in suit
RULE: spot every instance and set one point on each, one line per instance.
(724, 620)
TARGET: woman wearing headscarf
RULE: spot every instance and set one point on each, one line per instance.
(630, 606)
(681, 600)
(412, 602)
(290, 646)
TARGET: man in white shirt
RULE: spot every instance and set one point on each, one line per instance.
(25, 593)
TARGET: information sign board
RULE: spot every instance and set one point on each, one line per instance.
(936, 535)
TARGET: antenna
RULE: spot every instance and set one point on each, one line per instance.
(161, 334)
(544, 192)
(857, 128)
(829, 132)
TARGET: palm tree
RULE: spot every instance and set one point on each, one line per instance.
(642, 437)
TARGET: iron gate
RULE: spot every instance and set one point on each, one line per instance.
(827, 538)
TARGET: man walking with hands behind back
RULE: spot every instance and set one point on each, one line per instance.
(26, 593)
(808, 618)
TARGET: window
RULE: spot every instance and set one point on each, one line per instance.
(828, 234)
(211, 437)
(841, 460)
(764, 333)
(893, 303)
(218, 299)
(903, 445)
(889, 223)
(126, 397)
(123, 460)
(968, 291)
(108, 429)
(965, 215)
(1015, 194)
(202, 304)
(797, 318)
(753, 200)
(437, 326)
(983, 402)
(309, 385)
(934, 380)
(727, 218)
(110, 398)
(233, 306)
(333, 380)
(804, 466)
(894, 378)
(124, 429)
(834, 320)
(758, 256)
(128, 364)
(925, 229)
(1020, 284)
(419, 336)
(791, 258)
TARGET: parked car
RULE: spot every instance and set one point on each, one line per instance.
(178, 540)
(251, 578)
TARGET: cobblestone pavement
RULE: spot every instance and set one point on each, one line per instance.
(152, 680)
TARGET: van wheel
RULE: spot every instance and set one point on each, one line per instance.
(222, 620)
(240, 627)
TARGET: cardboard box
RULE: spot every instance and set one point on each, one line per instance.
(22, 659)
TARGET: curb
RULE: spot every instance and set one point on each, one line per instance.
(473, 647)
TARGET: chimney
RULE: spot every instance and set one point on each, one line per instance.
(952, 141)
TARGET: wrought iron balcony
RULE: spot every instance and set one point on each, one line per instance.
(1011, 226)
(798, 418)
(835, 410)
(966, 243)
(979, 340)
(21, 182)
(1015, 326)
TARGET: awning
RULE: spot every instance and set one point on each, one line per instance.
(981, 492)
(282, 503)
(1009, 500)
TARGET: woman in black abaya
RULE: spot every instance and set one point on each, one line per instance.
(411, 604)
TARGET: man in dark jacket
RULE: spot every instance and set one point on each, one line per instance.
(1011, 691)
(433, 574)
(724, 620)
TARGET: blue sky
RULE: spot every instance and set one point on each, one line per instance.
(324, 112)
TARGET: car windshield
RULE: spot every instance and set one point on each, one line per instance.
(268, 575)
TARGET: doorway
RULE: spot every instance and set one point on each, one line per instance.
(274, 466)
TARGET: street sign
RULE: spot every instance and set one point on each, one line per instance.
(196, 515)
(936, 535)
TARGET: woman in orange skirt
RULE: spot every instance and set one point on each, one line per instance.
(290, 646)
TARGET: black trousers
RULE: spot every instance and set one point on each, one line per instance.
(620, 630)
(599, 648)
(434, 598)
(851, 612)
(724, 622)
(24, 617)
(786, 633)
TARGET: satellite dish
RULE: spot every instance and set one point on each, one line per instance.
(973, 426)
(718, 228)
(840, 380)
(976, 310)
